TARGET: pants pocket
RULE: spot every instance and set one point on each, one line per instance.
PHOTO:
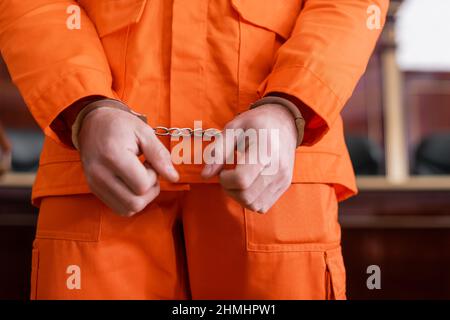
(67, 227)
(303, 219)
(335, 275)
(74, 217)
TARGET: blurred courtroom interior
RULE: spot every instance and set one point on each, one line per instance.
(398, 133)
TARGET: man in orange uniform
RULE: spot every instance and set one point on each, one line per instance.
(117, 218)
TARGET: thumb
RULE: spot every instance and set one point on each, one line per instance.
(223, 148)
(158, 156)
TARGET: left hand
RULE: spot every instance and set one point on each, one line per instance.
(250, 183)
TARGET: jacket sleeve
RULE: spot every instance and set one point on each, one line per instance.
(52, 65)
(323, 59)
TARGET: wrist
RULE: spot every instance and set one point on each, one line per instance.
(289, 108)
(281, 118)
(62, 124)
(91, 108)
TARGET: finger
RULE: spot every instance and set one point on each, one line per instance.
(247, 196)
(113, 191)
(224, 146)
(109, 200)
(132, 172)
(151, 172)
(157, 155)
(132, 206)
(102, 185)
(241, 177)
(274, 192)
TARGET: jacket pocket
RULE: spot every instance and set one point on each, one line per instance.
(110, 16)
(303, 219)
(335, 275)
(274, 15)
(115, 21)
(74, 217)
(263, 27)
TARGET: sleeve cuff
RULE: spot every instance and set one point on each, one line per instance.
(319, 105)
(46, 104)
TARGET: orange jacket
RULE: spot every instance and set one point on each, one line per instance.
(180, 61)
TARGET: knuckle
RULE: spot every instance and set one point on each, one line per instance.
(155, 151)
(126, 213)
(152, 182)
(155, 192)
(157, 188)
(145, 131)
(134, 205)
(285, 185)
(91, 181)
(246, 202)
(246, 198)
(287, 174)
(243, 181)
(107, 158)
(128, 205)
(142, 186)
(263, 210)
(119, 161)
(161, 152)
(145, 141)
(253, 207)
(284, 172)
(152, 177)
(283, 182)
(139, 206)
(92, 174)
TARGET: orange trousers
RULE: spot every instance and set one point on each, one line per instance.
(190, 244)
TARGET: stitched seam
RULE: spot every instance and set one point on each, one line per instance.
(25, 14)
(64, 236)
(124, 62)
(239, 64)
(291, 247)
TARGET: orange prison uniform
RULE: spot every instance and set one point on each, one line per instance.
(180, 61)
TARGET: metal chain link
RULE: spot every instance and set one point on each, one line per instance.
(186, 132)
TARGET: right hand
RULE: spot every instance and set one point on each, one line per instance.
(110, 142)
